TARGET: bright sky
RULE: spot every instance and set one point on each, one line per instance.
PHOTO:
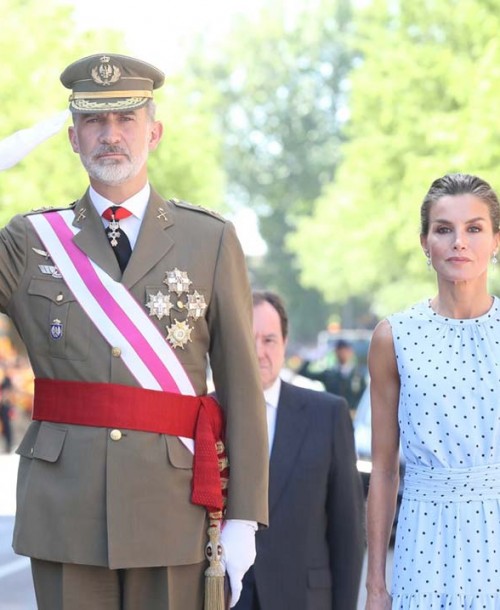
(160, 31)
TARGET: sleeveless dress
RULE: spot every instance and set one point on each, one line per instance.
(447, 549)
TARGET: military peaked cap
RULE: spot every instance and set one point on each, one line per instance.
(107, 82)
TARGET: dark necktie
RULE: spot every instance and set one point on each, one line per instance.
(116, 235)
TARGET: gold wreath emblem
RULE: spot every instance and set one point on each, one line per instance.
(105, 74)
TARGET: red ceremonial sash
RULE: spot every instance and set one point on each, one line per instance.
(106, 405)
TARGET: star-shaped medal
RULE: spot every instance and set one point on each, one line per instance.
(177, 281)
(179, 333)
(159, 304)
(196, 305)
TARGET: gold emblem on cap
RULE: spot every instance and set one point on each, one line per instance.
(159, 304)
(179, 333)
(105, 73)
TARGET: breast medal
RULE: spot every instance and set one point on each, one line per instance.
(179, 333)
(183, 306)
(159, 305)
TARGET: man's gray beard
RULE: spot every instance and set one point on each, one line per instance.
(113, 172)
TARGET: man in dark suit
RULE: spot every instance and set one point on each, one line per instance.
(310, 557)
(121, 299)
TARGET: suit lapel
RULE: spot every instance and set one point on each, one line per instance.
(291, 428)
(153, 242)
(91, 238)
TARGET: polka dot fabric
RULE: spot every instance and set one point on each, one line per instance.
(447, 551)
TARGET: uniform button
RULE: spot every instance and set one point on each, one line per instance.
(116, 351)
(59, 297)
(115, 435)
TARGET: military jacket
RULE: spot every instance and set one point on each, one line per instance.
(84, 497)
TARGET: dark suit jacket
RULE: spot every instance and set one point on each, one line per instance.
(350, 386)
(310, 557)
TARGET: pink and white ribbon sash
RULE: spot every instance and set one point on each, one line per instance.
(120, 319)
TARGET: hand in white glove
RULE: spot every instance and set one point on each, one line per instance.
(15, 147)
(238, 552)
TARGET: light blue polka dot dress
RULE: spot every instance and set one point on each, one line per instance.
(447, 551)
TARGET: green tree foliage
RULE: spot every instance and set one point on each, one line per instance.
(423, 103)
(187, 163)
(281, 80)
(38, 40)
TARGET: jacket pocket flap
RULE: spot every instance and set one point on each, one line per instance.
(179, 455)
(48, 443)
(26, 446)
(53, 289)
(319, 578)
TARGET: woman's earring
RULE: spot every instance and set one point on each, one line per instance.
(428, 259)
(494, 259)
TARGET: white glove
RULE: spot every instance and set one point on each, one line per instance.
(15, 147)
(238, 552)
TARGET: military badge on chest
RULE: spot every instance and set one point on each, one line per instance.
(56, 329)
(47, 269)
(182, 305)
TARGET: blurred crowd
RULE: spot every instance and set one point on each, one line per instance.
(16, 390)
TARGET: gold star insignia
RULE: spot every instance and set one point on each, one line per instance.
(179, 333)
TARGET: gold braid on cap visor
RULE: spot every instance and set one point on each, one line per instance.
(91, 95)
(116, 105)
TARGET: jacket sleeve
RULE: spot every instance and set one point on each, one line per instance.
(237, 383)
(12, 258)
(345, 505)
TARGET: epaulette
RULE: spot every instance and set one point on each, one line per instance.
(197, 208)
(44, 209)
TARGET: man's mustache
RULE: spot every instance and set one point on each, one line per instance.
(104, 150)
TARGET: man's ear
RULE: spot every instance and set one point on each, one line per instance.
(73, 138)
(155, 134)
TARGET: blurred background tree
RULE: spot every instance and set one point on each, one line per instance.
(35, 46)
(328, 121)
(423, 103)
(281, 79)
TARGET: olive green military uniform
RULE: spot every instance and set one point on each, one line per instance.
(85, 496)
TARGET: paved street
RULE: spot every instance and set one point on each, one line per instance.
(16, 590)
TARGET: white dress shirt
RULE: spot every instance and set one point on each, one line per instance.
(272, 396)
(136, 204)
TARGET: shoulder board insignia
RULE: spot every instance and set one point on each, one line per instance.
(45, 209)
(197, 208)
